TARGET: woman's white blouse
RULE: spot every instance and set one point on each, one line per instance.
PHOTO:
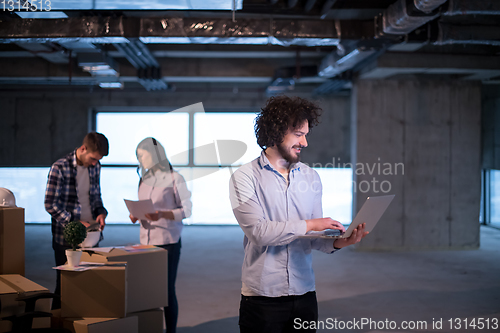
(166, 195)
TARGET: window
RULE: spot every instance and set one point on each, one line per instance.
(495, 197)
(237, 127)
(220, 142)
(28, 186)
(125, 130)
(490, 199)
(205, 148)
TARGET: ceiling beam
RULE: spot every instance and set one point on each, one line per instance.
(157, 29)
(197, 54)
(468, 67)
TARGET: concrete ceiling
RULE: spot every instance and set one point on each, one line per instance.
(320, 45)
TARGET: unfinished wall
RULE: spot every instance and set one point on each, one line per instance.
(432, 128)
(37, 128)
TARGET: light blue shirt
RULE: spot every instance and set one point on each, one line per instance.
(272, 214)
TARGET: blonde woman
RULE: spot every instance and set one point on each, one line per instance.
(171, 199)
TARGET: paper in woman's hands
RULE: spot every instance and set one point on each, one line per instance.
(140, 208)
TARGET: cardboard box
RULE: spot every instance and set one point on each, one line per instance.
(103, 325)
(12, 240)
(96, 324)
(14, 285)
(147, 275)
(98, 292)
(56, 321)
(150, 321)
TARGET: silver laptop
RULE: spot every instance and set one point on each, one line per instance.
(370, 213)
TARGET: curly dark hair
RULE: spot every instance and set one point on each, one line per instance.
(281, 113)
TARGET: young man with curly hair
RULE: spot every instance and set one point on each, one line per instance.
(276, 199)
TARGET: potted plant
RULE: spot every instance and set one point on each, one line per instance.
(74, 233)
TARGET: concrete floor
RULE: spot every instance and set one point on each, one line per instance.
(353, 287)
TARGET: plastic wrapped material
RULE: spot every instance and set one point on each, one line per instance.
(333, 64)
(112, 30)
(428, 6)
(399, 20)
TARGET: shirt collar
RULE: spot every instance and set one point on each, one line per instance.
(73, 159)
(264, 163)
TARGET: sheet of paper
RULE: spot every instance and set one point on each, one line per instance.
(98, 249)
(84, 266)
(140, 248)
(140, 208)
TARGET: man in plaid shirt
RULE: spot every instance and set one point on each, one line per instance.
(73, 193)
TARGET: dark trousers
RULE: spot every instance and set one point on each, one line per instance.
(60, 256)
(259, 314)
(172, 310)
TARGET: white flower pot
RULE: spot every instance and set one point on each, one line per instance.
(73, 257)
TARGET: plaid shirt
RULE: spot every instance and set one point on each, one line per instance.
(61, 198)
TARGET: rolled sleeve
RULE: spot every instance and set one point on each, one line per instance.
(184, 196)
(323, 245)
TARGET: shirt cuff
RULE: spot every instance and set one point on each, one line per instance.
(302, 228)
(178, 214)
(329, 246)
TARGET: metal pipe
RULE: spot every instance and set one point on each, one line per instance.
(127, 55)
(132, 55)
(138, 54)
(147, 54)
(428, 6)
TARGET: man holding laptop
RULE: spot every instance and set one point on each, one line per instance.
(276, 200)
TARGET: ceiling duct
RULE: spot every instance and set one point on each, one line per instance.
(473, 7)
(280, 86)
(402, 17)
(428, 6)
(98, 64)
(49, 51)
(285, 78)
(332, 86)
(333, 64)
(102, 68)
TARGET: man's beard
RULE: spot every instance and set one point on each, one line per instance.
(287, 155)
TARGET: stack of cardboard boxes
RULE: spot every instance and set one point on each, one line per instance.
(12, 281)
(125, 292)
(12, 240)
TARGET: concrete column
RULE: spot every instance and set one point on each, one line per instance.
(419, 140)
